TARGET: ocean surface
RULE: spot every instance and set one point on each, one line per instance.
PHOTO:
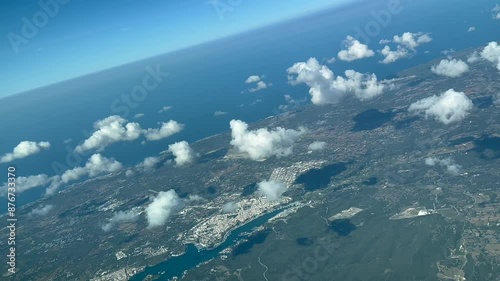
(210, 77)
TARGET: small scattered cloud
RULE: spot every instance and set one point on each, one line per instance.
(110, 130)
(119, 218)
(219, 113)
(355, 50)
(325, 88)
(496, 12)
(263, 143)
(450, 67)
(391, 56)
(272, 190)
(182, 152)
(317, 145)
(331, 60)
(449, 107)
(24, 149)
(163, 205)
(166, 130)
(259, 83)
(407, 45)
(471, 29)
(138, 115)
(129, 173)
(412, 40)
(491, 53)
(41, 211)
(95, 166)
(448, 52)
(148, 164)
(165, 109)
(230, 207)
(448, 163)
(474, 57)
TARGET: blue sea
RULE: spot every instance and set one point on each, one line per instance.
(210, 77)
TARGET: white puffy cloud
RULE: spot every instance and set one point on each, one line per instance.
(163, 205)
(41, 211)
(412, 40)
(273, 190)
(253, 79)
(407, 45)
(182, 152)
(331, 60)
(165, 109)
(139, 115)
(450, 67)
(317, 145)
(24, 149)
(325, 88)
(448, 163)
(26, 183)
(472, 28)
(148, 164)
(447, 108)
(166, 130)
(491, 53)
(119, 218)
(129, 173)
(96, 165)
(263, 143)
(355, 50)
(230, 207)
(110, 130)
(496, 12)
(391, 56)
(474, 57)
(259, 83)
(219, 113)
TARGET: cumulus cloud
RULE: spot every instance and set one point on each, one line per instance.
(412, 40)
(392, 56)
(451, 68)
(129, 173)
(110, 130)
(219, 113)
(331, 60)
(148, 164)
(139, 115)
(317, 145)
(472, 28)
(182, 152)
(447, 108)
(263, 143)
(355, 50)
(259, 83)
(407, 45)
(253, 79)
(119, 218)
(273, 190)
(96, 165)
(325, 88)
(474, 57)
(165, 109)
(41, 211)
(24, 149)
(166, 130)
(163, 205)
(448, 163)
(26, 183)
(491, 53)
(496, 12)
(230, 207)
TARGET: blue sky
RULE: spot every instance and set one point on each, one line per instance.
(84, 36)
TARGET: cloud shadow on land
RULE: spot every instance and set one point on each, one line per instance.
(257, 238)
(371, 119)
(315, 179)
(343, 227)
